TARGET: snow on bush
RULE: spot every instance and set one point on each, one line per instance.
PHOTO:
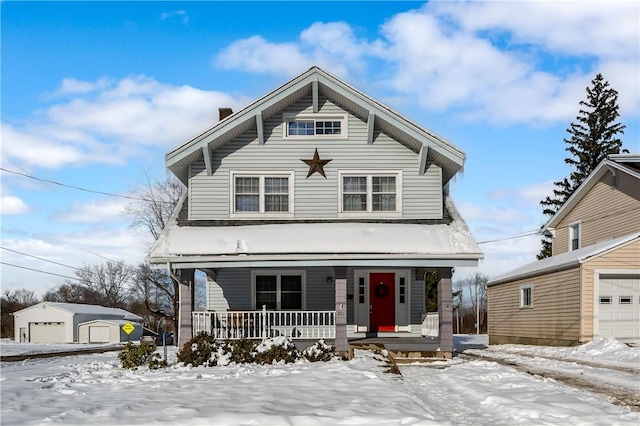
(204, 350)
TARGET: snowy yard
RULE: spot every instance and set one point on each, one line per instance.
(93, 389)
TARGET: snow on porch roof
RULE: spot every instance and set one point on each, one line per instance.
(562, 261)
(315, 240)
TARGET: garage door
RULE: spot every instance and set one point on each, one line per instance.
(619, 309)
(98, 334)
(47, 332)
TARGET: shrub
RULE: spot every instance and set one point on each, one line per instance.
(276, 350)
(320, 351)
(242, 351)
(134, 356)
(198, 350)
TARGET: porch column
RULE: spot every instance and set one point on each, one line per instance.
(445, 309)
(341, 342)
(186, 302)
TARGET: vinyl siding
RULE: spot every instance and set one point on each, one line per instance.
(604, 212)
(320, 295)
(625, 257)
(554, 318)
(315, 197)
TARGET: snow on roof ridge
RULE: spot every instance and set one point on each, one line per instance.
(563, 260)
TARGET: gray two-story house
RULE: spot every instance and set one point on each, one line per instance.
(316, 212)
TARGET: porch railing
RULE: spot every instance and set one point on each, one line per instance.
(431, 324)
(304, 325)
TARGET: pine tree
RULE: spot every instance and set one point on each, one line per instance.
(591, 139)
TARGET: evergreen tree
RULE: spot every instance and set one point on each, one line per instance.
(591, 139)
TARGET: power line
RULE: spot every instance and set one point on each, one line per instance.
(109, 194)
(39, 258)
(39, 270)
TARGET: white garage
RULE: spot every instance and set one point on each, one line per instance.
(54, 322)
(618, 308)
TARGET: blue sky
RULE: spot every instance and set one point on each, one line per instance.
(94, 94)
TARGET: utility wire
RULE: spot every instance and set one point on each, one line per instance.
(39, 270)
(39, 258)
(109, 194)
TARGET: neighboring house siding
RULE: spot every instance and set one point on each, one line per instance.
(623, 258)
(604, 212)
(316, 197)
(553, 319)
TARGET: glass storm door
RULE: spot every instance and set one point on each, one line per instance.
(382, 308)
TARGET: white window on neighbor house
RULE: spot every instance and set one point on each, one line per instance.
(605, 300)
(370, 193)
(574, 236)
(309, 126)
(625, 300)
(526, 296)
(284, 290)
(262, 193)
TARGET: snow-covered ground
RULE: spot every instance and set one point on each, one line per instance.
(9, 347)
(93, 389)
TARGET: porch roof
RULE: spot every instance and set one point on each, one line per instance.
(333, 243)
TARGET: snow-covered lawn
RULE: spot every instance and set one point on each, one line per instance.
(93, 389)
(9, 347)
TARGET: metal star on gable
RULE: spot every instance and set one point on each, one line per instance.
(316, 165)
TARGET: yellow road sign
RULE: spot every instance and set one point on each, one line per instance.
(128, 328)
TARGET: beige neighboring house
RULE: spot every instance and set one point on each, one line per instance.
(590, 286)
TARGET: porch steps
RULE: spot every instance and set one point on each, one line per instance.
(409, 357)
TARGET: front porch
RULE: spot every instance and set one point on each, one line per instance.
(263, 324)
(296, 325)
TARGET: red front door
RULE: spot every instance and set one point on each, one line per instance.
(382, 297)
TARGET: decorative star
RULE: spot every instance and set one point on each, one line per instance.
(316, 165)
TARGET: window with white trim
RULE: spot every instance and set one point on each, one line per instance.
(605, 300)
(279, 290)
(315, 126)
(262, 193)
(362, 192)
(625, 300)
(574, 236)
(526, 296)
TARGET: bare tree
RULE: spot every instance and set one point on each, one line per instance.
(476, 288)
(156, 203)
(158, 291)
(108, 284)
(12, 301)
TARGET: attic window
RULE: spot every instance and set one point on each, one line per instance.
(323, 126)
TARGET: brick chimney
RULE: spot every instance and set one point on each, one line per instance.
(224, 113)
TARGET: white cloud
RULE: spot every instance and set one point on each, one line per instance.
(13, 205)
(485, 61)
(108, 121)
(333, 46)
(96, 211)
(179, 14)
(10, 204)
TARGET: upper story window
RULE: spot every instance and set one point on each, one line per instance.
(574, 236)
(367, 193)
(315, 126)
(267, 193)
